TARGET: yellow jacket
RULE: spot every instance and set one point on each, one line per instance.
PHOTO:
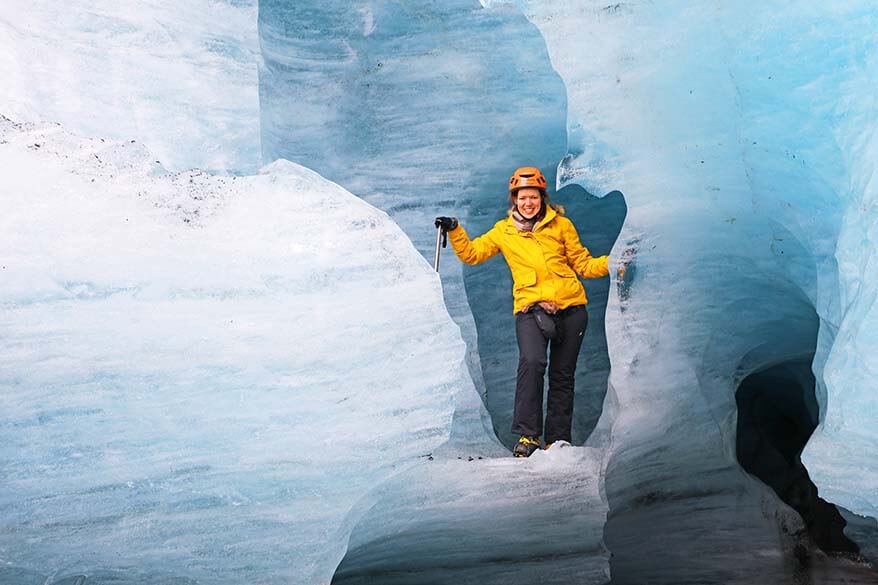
(544, 262)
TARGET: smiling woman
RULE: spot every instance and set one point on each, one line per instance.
(544, 254)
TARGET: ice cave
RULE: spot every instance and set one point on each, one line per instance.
(227, 357)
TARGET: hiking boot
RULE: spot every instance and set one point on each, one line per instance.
(526, 446)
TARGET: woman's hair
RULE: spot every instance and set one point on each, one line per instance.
(544, 197)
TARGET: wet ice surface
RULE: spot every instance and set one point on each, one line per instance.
(196, 382)
(179, 76)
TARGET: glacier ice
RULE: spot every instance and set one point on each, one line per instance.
(841, 455)
(179, 76)
(195, 377)
(742, 135)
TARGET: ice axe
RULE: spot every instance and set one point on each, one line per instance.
(441, 238)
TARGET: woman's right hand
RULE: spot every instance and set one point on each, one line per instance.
(446, 223)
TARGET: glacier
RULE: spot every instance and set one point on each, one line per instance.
(725, 417)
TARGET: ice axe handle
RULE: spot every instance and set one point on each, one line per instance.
(441, 240)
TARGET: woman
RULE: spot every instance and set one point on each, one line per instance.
(544, 254)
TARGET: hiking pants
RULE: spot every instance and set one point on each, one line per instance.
(528, 415)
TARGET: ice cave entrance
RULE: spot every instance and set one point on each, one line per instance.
(777, 413)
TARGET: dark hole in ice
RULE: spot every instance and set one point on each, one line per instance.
(777, 413)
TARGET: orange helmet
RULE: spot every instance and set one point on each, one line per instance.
(527, 177)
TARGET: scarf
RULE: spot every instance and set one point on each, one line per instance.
(527, 225)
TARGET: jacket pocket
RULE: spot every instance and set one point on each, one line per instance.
(523, 279)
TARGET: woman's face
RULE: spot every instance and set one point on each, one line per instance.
(528, 201)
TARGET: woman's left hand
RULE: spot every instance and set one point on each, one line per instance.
(549, 307)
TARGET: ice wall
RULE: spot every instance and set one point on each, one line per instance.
(180, 77)
(841, 454)
(203, 376)
(741, 136)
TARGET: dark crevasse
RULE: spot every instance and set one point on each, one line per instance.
(777, 413)
(681, 507)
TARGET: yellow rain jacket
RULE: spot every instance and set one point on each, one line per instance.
(544, 263)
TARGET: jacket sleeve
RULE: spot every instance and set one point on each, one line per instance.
(477, 250)
(580, 258)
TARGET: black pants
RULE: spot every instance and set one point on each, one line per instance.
(528, 416)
